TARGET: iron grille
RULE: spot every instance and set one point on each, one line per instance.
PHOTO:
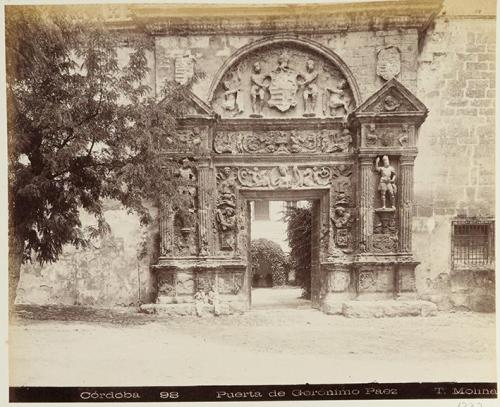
(472, 244)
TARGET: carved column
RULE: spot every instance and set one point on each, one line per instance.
(366, 204)
(406, 202)
(205, 209)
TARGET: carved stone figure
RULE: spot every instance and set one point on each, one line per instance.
(371, 135)
(384, 243)
(184, 209)
(310, 95)
(279, 177)
(226, 218)
(387, 138)
(391, 104)
(342, 222)
(283, 87)
(341, 185)
(227, 187)
(258, 89)
(224, 142)
(335, 103)
(186, 172)
(404, 136)
(345, 141)
(387, 183)
(232, 97)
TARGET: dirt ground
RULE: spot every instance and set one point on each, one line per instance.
(282, 340)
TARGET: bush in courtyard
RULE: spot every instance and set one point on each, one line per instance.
(268, 262)
(299, 227)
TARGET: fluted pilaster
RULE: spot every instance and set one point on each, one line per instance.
(406, 203)
(205, 209)
(366, 203)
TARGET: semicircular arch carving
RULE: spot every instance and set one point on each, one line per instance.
(284, 76)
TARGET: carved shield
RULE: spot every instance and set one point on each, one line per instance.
(388, 62)
(283, 90)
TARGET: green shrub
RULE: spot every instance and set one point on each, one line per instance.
(269, 263)
(299, 226)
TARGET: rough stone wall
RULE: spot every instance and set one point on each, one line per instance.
(454, 170)
(357, 49)
(110, 273)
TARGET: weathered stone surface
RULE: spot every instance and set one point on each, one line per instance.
(391, 308)
(294, 90)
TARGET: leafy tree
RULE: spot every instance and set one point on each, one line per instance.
(268, 258)
(299, 229)
(83, 126)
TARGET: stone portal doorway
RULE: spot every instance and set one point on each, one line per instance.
(314, 197)
(265, 135)
(279, 281)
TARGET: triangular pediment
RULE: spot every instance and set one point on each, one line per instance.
(197, 108)
(392, 99)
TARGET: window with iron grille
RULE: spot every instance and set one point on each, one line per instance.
(472, 243)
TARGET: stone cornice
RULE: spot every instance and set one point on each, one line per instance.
(300, 19)
(200, 19)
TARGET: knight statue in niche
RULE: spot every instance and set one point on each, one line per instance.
(307, 81)
(387, 183)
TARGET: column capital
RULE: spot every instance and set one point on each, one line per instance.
(407, 159)
(366, 160)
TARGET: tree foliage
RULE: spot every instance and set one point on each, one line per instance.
(299, 229)
(83, 126)
(268, 258)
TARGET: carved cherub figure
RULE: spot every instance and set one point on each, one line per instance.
(391, 104)
(387, 183)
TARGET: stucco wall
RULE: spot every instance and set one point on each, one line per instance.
(110, 272)
(455, 168)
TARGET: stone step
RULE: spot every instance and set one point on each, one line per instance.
(383, 308)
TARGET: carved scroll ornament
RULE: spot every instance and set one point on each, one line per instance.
(283, 142)
(283, 177)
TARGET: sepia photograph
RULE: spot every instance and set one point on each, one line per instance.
(250, 202)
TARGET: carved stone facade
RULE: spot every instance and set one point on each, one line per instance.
(281, 80)
(330, 87)
(356, 167)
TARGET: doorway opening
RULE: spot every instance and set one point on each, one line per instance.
(280, 254)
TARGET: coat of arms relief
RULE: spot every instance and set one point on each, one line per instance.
(283, 82)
